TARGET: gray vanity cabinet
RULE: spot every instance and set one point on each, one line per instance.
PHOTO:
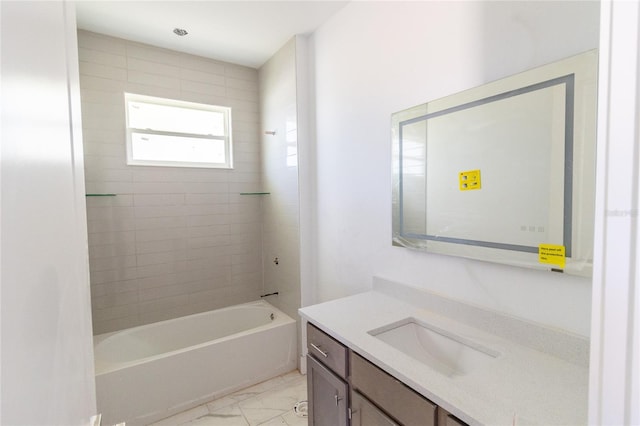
(394, 397)
(346, 389)
(364, 413)
(327, 388)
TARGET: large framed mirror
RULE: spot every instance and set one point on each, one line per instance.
(504, 172)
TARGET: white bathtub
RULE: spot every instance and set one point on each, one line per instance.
(146, 373)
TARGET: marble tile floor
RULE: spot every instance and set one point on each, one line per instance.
(268, 403)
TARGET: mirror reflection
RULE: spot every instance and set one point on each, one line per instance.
(503, 172)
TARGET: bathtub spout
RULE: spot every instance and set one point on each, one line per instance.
(275, 293)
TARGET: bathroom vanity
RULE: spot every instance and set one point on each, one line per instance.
(402, 356)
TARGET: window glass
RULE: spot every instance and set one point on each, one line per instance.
(166, 132)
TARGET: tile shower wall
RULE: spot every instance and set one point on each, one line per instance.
(173, 241)
(278, 104)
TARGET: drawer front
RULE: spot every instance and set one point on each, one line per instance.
(329, 351)
(400, 402)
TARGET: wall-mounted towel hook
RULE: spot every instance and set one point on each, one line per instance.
(270, 132)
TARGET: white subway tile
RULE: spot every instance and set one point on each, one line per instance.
(245, 177)
(158, 234)
(202, 64)
(201, 242)
(115, 299)
(159, 211)
(116, 224)
(161, 269)
(139, 77)
(241, 72)
(110, 250)
(103, 136)
(89, 40)
(92, 161)
(208, 252)
(179, 213)
(154, 293)
(117, 201)
(99, 83)
(207, 220)
(163, 304)
(98, 290)
(99, 57)
(195, 199)
(175, 244)
(101, 277)
(136, 64)
(202, 77)
(208, 231)
(206, 175)
(111, 263)
(158, 174)
(104, 149)
(206, 209)
(159, 187)
(152, 90)
(219, 261)
(145, 259)
(115, 312)
(158, 199)
(206, 187)
(153, 54)
(102, 238)
(160, 280)
(197, 87)
(111, 175)
(107, 326)
(250, 97)
(243, 84)
(102, 71)
(160, 222)
(114, 111)
(108, 187)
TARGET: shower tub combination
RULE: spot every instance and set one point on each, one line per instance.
(146, 373)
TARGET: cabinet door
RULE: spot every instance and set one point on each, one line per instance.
(445, 418)
(390, 394)
(327, 395)
(364, 413)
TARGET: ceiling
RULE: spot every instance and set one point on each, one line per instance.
(237, 31)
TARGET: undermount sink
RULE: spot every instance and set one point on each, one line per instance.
(439, 349)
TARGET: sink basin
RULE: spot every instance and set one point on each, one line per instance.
(439, 349)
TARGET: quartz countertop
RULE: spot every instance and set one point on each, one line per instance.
(521, 386)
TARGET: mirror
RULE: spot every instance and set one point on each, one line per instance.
(504, 172)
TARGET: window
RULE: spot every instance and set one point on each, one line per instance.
(166, 132)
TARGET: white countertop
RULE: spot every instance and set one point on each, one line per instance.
(522, 386)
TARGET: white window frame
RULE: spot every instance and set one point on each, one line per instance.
(227, 164)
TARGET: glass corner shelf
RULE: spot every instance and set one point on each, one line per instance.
(255, 193)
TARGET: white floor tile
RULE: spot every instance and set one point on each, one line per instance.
(269, 403)
(226, 416)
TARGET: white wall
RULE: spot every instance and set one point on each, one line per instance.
(614, 366)
(47, 355)
(376, 58)
(173, 241)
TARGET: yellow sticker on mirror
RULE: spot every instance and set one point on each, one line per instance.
(551, 254)
(469, 180)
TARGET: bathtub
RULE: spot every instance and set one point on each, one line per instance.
(149, 372)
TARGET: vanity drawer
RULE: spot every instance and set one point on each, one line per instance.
(327, 350)
(391, 395)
